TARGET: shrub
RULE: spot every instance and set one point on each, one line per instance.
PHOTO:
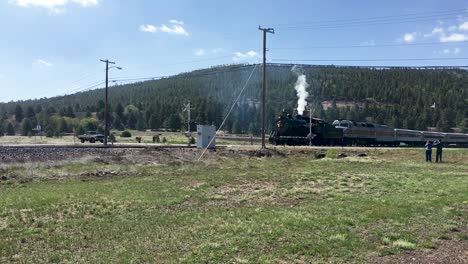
(112, 137)
(126, 134)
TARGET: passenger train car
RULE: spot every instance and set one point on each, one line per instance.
(300, 130)
(368, 134)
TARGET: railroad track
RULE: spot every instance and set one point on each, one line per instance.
(98, 146)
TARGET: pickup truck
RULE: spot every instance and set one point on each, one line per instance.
(91, 136)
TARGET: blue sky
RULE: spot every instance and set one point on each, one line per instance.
(53, 47)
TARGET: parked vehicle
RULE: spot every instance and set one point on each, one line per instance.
(92, 137)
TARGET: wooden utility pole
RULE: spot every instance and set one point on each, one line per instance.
(106, 101)
(188, 109)
(265, 31)
(310, 126)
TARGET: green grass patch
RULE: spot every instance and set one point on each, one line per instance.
(239, 209)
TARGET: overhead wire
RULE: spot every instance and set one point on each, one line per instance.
(369, 22)
(364, 60)
(184, 75)
(368, 46)
(411, 15)
(230, 111)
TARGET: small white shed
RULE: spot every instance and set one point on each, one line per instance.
(205, 135)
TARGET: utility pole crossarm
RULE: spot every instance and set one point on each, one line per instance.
(107, 61)
(268, 30)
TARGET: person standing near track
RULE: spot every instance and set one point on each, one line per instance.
(438, 145)
(428, 151)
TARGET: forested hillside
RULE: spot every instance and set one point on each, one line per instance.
(398, 97)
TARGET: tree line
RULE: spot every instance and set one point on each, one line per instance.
(403, 98)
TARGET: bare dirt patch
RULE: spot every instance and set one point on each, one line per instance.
(447, 252)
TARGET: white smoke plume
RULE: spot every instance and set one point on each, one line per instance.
(301, 89)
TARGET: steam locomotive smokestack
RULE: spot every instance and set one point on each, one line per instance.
(301, 89)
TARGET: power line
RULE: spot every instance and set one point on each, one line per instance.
(400, 59)
(369, 46)
(185, 75)
(376, 17)
(230, 110)
(47, 101)
(318, 66)
(201, 60)
(365, 24)
(188, 62)
(368, 22)
(85, 76)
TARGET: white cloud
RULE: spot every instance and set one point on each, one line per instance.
(54, 6)
(453, 33)
(454, 37)
(148, 28)
(437, 30)
(175, 28)
(410, 37)
(239, 56)
(456, 50)
(174, 21)
(463, 26)
(200, 52)
(42, 63)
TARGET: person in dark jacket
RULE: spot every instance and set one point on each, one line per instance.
(438, 145)
(428, 151)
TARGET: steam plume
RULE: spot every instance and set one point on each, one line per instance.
(301, 89)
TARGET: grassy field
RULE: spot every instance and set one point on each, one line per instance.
(289, 208)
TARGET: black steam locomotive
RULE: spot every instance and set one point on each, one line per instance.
(301, 130)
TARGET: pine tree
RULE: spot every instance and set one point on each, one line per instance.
(118, 123)
(154, 122)
(119, 111)
(236, 128)
(63, 126)
(30, 113)
(140, 125)
(69, 112)
(51, 110)
(173, 122)
(38, 109)
(10, 130)
(19, 113)
(26, 127)
(443, 125)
